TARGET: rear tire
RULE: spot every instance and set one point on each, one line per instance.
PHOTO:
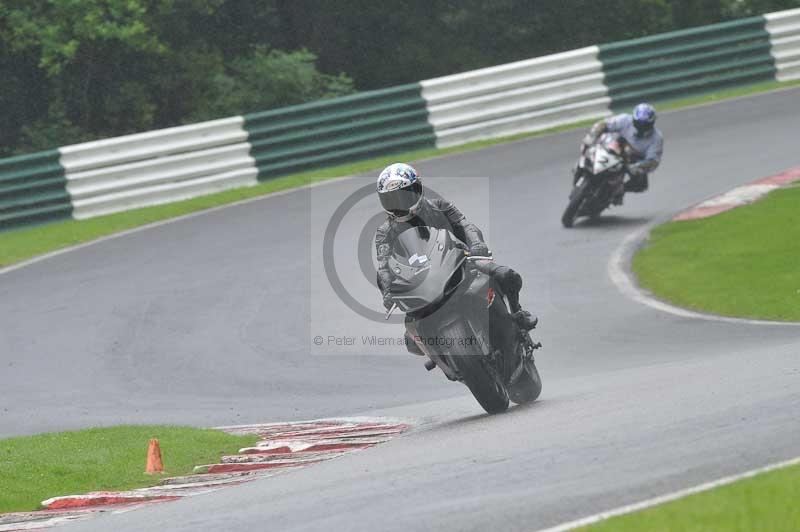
(488, 390)
(528, 385)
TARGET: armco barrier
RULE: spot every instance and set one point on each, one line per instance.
(784, 34)
(340, 129)
(517, 97)
(684, 62)
(111, 175)
(32, 189)
(157, 167)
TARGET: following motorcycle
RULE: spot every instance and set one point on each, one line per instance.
(599, 176)
(459, 317)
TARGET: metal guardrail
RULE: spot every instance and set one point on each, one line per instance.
(784, 34)
(33, 190)
(155, 167)
(517, 97)
(685, 62)
(340, 129)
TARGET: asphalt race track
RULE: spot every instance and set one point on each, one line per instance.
(209, 321)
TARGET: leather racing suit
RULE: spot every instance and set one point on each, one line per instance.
(442, 214)
(647, 149)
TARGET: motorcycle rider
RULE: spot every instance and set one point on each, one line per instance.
(401, 194)
(645, 140)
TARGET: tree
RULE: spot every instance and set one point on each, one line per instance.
(79, 69)
(265, 79)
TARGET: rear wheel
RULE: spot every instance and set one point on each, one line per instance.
(528, 385)
(472, 366)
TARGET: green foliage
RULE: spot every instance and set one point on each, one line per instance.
(61, 29)
(747, 8)
(110, 67)
(78, 69)
(268, 78)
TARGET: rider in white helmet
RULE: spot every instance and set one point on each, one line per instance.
(401, 194)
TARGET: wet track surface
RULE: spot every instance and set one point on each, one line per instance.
(210, 320)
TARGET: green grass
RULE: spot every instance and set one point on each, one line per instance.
(741, 263)
(766, 502)
(34, 468)
(25, 243)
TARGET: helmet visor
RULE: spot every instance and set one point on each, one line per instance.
(643, 126)
(400, 201)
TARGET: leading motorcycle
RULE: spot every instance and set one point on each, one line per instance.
(459, 317)
(600, 174)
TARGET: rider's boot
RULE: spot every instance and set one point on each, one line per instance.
(525, 320)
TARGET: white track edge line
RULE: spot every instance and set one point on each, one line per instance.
(661, 499)
(620, 274)
(159, 223)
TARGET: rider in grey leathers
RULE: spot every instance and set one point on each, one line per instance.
(401, 195)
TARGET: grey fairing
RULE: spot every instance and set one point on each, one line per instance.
(419, 285)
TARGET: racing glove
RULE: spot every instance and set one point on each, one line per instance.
(479, 250)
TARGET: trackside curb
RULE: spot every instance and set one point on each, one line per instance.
(619, 264)
(281, 446)
(740, 196)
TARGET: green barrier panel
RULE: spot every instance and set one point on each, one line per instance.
(345, 129)
(687, 62)
(33, 189)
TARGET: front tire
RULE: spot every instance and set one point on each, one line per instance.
(571, 212)
(488, 390)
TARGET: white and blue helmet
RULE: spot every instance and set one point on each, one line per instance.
(400, 190)
(644, 118)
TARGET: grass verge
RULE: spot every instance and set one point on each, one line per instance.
(740, 263)
(34, 468)
(22, 244)
(765, 502)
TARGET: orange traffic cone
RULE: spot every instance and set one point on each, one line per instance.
(154, 464)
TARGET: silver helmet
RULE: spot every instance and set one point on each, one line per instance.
(400, 191)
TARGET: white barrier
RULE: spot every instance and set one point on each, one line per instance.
(517, 97)
(784, 35)
(160, 166)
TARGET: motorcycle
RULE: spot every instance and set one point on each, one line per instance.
(459, 317)
(600, 174)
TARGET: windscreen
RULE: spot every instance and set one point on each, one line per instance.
(613, 143)
(414, 242)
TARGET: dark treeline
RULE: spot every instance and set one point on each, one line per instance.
(75, 70)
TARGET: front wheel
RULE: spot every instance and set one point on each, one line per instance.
(571, 212)
(472, 366)
(528, 385)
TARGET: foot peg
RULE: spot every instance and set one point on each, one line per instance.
(430, 364)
